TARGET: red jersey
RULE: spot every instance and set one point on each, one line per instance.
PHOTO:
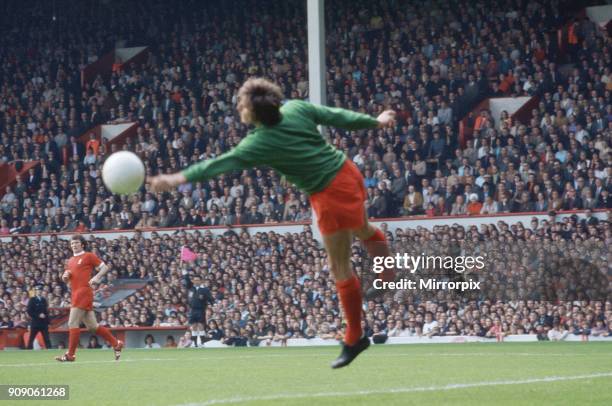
(81, 267)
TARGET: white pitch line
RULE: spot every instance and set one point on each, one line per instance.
(89, 362)
(297, 355)
(448, 387)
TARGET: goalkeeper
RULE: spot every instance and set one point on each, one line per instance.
(286, 138)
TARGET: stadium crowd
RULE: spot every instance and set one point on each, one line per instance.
(271, 287)
(431, 64)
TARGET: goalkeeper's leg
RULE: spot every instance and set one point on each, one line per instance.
(338, 247)
(376, 244)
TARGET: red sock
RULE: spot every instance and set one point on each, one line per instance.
(377, 246)
(349, 291)
(106, 335)
(73, 340)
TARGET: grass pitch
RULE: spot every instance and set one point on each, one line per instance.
(431, 374)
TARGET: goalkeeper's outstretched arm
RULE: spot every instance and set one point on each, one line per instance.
(241, 157)
(347, 119)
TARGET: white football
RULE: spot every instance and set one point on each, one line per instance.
(123, 173)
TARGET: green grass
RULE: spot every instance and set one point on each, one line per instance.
(384, 375)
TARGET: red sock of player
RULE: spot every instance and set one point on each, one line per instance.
(377, 246)
(73, 340)
(349, 291)
(106, 335)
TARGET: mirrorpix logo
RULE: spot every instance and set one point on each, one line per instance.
(437, 264)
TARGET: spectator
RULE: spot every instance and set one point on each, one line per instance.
(459, 207)
(413, 202)
(170, 343)
(150, 342)
(186, 340)
(430, 326)
(93, 343)
(600, 330)
(557, 334)
(474, 206)
(489, 207)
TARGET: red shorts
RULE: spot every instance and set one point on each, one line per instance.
(82, 298)
(340, 206)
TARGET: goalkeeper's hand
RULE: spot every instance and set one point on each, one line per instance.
(164, 183)
(386, 119)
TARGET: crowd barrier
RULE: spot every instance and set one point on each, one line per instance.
(134, 337)
(524, 338)
(302, 342)
(297, 227)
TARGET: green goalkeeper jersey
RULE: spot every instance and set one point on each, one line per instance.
(294, 147)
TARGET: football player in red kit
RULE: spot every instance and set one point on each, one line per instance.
(78, 274)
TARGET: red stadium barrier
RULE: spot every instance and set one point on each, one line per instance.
(494, 218)
(132, 336)
(11, 337)
(124, 329)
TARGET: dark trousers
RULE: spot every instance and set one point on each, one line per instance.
(198, 316)
(34, 330)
